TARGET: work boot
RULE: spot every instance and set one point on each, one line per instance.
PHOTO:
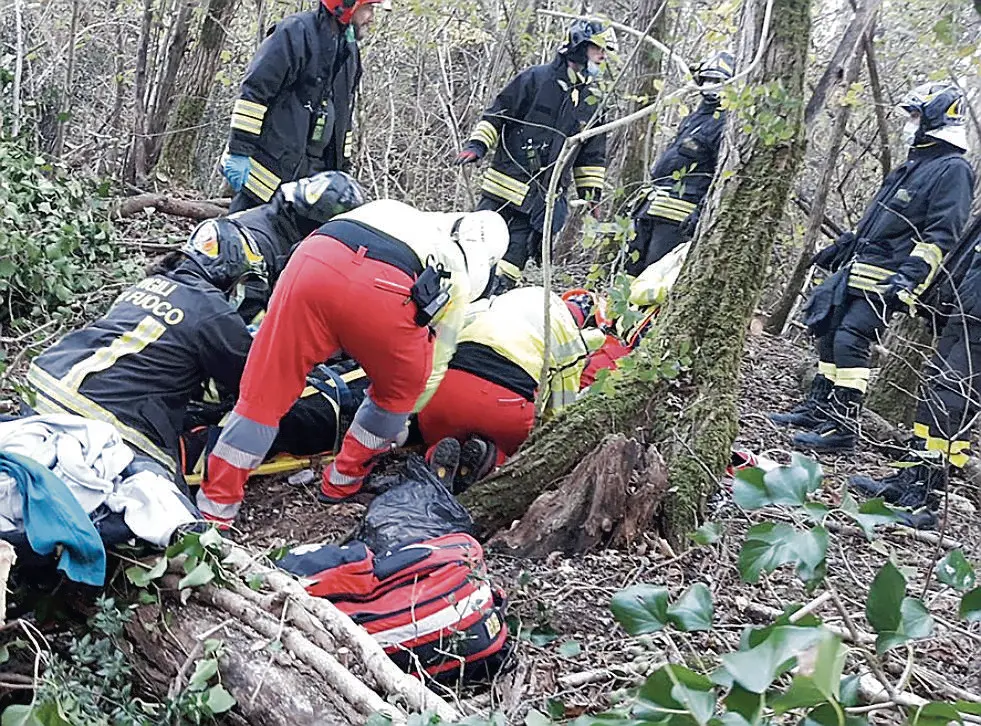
(502, 284)
(840, 431)
(910, 486)
(477, 459)
(924, 518)
(811, 411)
(444, 460)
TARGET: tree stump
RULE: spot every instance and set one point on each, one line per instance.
(609, 498)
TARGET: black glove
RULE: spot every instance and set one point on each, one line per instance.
(688, 225)
(898, 289)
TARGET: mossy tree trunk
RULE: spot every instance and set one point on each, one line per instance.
(693, 420)
(893, 393)
(181, 141)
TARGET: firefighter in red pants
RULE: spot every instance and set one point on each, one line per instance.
(386, 284)
(487, 398)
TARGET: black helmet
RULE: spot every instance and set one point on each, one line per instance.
(323, 196)
(583, 31)
(224, 254)
(941, 109)
(716, 68)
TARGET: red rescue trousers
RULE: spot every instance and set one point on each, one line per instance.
(329, 298)
(466, 404)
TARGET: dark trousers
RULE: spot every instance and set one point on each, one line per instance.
(654, 238)
(950, 396)
(845, 351)
(525, 241)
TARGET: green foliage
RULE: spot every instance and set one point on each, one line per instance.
(645, 609)
(56, 242)
(92, 684)
(766, 111)
(895, 617)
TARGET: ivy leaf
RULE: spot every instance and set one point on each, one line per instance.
(769, 545)
(200, 575)
(708, 533)
(954, 570)
(219, 700)
(968, 707)
(204, 671)
(826, 715)
(211, 538)
(785, 485)
(542, 635)
(693, 611)
(803, 693)
(871, 514)
(757, 667)
(970, 607)
(935, 714)
(674, 688)
(141, 577)
(641, 609)
(570, 649)
(748, 706)
(882, 608)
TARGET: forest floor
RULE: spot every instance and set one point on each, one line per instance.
(572, 656)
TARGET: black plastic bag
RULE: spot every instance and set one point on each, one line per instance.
(414, 506)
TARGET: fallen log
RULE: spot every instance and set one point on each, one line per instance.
(286, 657)
(609, 498)
(189, 208)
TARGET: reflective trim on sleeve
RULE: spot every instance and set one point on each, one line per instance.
(262, 182)
(247, 116)
(485, 133)
(589, 177)
(502, 186)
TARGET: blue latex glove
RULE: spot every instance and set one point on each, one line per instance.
(236, 169)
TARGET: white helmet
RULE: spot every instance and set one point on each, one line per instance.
(483, 237)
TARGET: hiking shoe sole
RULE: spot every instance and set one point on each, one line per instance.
(445, 461)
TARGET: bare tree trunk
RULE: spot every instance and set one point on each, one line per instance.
(846, 49)
(165, 94)
(182, 133)
(137, 167)
(885, 154)
(64, 115)
(893, 393)
(648, 71)
(18, 63)
(120, 91)
(694, 422)
(791, 293)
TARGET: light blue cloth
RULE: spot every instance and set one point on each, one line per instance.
(236, 169)
(53, 517)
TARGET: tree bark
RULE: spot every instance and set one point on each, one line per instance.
(610, 498)
(164, 95)
(170, 205)
(792, 290)
(64, 114)
(182, 132)
(692, 420)
(885, 153)
(137, 167)
(893, 393)
(847, 48)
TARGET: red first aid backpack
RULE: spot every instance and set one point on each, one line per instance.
(430, 604)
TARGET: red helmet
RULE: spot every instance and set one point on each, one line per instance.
(343, 10)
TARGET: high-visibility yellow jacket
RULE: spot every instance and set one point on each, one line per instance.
(513, 325)
(651, 287)
(428, 235)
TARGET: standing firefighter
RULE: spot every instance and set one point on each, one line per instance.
(893, 255)
(528, 123)
(387, 285)
(949, 399)
(682, 175)
(293, 116)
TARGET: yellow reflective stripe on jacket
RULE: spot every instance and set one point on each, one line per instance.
(262, 182)
(485, 133)
(662, 204)
(132, 341)
(589, 177)
(505, 187)
(348, 144)
(247, 116)
(933, 256)
(513, 325)
(651, 287)
(509, 270)
(55, 397)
